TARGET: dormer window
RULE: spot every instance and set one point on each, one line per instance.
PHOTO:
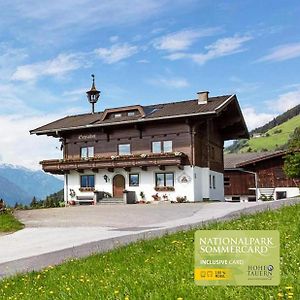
(131, 111)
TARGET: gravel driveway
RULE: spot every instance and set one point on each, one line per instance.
(108, 215)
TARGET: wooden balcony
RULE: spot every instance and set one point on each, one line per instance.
(143, 161)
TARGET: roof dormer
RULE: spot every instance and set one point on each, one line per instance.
(135, 111)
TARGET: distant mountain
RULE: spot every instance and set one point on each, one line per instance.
(272, 136)
(18, 184)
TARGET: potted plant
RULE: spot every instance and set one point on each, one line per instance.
(181, 199)
(142, 195)
(72, 195)
(156, 197)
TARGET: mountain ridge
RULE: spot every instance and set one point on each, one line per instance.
(20, 184)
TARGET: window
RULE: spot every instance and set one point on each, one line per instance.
(164, 179)
(134, 179)
(162, 147)
(279, 174)
(124, 149)
(281, 195)
(156, 147)
(130, 113)
(167, 146)
(210, 181)
(226, 181)
(117, 115)
(86, 152)
(214, 181)
(87, 181)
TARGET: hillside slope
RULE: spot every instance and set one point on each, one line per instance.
(274, 138)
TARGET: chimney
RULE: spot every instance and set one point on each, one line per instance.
(202, 97)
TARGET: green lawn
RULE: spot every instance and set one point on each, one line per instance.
(274, 139)
(8, 223)
(160, 269)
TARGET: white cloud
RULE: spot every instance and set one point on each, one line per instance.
(285, 101)
(24, 149)
(116, 53)
(177, 55)
(58, 66)
(283, 52)
(182, 40)
(143, 61)
(9, 58)
(63, 20)
(222, 47)
(274, 107)
(169, 82)
(254, 118)
(113, 38)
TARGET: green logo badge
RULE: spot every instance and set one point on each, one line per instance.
(237, 257)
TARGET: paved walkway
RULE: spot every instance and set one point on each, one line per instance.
(52, 236)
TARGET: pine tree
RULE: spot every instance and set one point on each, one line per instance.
(33, 203)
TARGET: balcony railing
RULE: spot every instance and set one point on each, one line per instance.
(161, 160)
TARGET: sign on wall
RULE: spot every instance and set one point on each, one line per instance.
(86, 136)
(184, 178)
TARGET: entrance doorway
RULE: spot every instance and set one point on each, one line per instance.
(118, 186)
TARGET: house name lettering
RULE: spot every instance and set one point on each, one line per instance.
(86, 136)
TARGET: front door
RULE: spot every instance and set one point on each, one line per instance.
(118, 186)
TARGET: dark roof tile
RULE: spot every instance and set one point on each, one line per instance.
(236, 160)
(161, 110)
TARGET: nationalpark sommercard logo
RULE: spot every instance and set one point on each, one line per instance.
(237, 257)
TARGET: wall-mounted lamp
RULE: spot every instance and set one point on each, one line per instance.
(106, 178)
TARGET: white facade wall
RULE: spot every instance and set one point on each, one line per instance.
(195, 189)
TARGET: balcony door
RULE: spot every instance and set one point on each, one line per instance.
(118, 186)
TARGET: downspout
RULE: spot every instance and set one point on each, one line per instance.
(66, 189)
(192, 145)
(208, 144)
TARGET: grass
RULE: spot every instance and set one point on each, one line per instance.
(274, 139)
(8, 223)
(160, 269)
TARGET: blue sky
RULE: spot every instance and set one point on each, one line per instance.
(141, 52)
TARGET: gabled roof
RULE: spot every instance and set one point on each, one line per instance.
(147, 113)
(239, 160)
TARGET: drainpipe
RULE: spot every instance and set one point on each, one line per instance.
(66, 189)
(192, 133)
(208, 144)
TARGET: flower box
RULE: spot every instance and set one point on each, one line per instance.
(87, 189)
(164, 188)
